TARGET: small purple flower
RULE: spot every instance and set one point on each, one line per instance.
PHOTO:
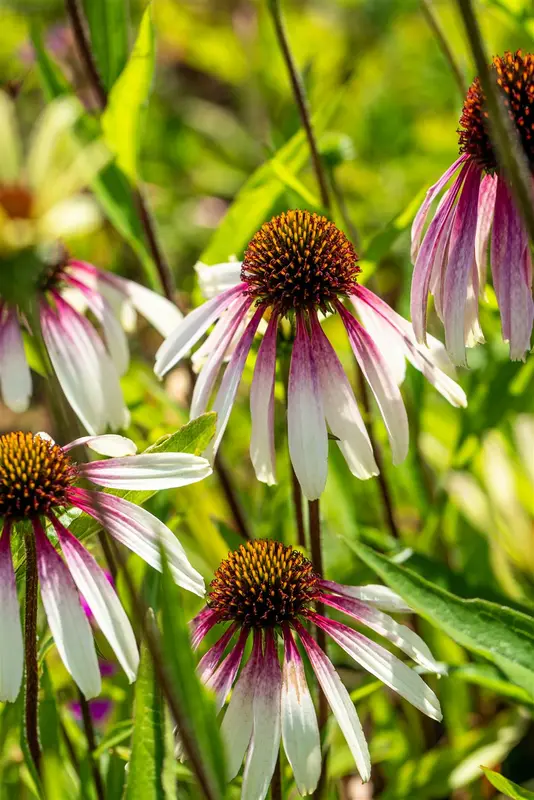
(268, 591)
(99, 709)
(477, 214)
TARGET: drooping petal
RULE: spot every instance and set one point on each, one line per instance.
(230, 382)
(383, 665)
(265, 743)
(202, 624)
(224, 676)
(76, 215)
(486, 206)
(100, 596)
(340, 407)
(108, 444)
(513, 284)
(383, 386)
(236, 727)
(460, 262)
(380, 596)
(147, 471)
(262, 452)
(307, 434)
(218, 278)
(382, 330)
(68, 623)
(300, 731)
(141, 532)
(12, 648)
(15, 377)
(191, 328)
(339, 701)
(163, 315)
(210, 660)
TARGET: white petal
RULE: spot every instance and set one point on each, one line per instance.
(223, 678)
(262, 452)
(265, 743)
(307, 434)
(380, 596)
(76, 216)
(108, 444)
(389, 345)
(236, 728)
(68, 623)
(141, 532)
(15, 377)
(216, 279)
(300, 731)
(155, 308)
(9, 141)
(340, 703)
(101, 598)
(12, 649)
(147, 471)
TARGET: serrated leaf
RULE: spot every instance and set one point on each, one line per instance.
(108, 25)
(121, 121)
(507, 787)
(500, 634)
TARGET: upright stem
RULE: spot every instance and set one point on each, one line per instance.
(300, 98)
(91, 745)
(296, 493)
(31, 699)
(232, 498)
(433, 23)
(276, 781)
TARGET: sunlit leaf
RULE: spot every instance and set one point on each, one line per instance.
(508, 788)
(108, 25)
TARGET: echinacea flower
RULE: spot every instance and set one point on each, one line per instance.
(297, 266)
(475, 215)
(42, 287)
(267, 591)
(39, 481)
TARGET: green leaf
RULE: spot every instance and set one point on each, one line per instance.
(148, 742)
(54, 82)
(500, 634)
(117, 734)
(121, 121)
(260, 192)
(507, 787)
(489, 677)
(108, 25)
(199, 722)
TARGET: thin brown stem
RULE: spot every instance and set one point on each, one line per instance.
(343, 210)
(31, 698)
(232, 498)
(296, 493)
(300, 98)
(427, 7)
(276, 781)
(503, 133)
(91, 745)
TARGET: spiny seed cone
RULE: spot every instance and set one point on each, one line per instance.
(515, 77)
(35, 476)
(299, 261)
(262, 584)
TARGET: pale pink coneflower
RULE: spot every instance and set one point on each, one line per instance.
(475, 215)
(38, 483)
(298, 266)
(266, 591)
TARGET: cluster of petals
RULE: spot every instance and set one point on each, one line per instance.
(63, 580)
(271, 702)
(319, 393)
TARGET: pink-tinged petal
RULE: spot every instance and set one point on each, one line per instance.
(383, 331)
(511, 278)
(230, 382)
(432, 255)
(340, 407)
(380, 596)
(486, 206)
(141, 532)
(12, 648)
(210, 371)
(218, 278)
(147, 471)
(97, 591)
(400, 635)
(224, 676)
(432, 193)
(307, 434)
(383, 665)
(202, 624)
(108, 444)
(300, 731)
(460, 263)
(262, 452)
(265, 743)
(339, 701)
(191, 328)
(15, 377)
(69, 625)
(236, 728)
(210, 660)
(382, 384)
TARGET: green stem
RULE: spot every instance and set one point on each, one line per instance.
(91, 745)
(31, 698)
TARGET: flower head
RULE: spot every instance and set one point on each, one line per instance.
(43, 290)
(39, 481)
(296, 266)
(477, 214)
(268, 591)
